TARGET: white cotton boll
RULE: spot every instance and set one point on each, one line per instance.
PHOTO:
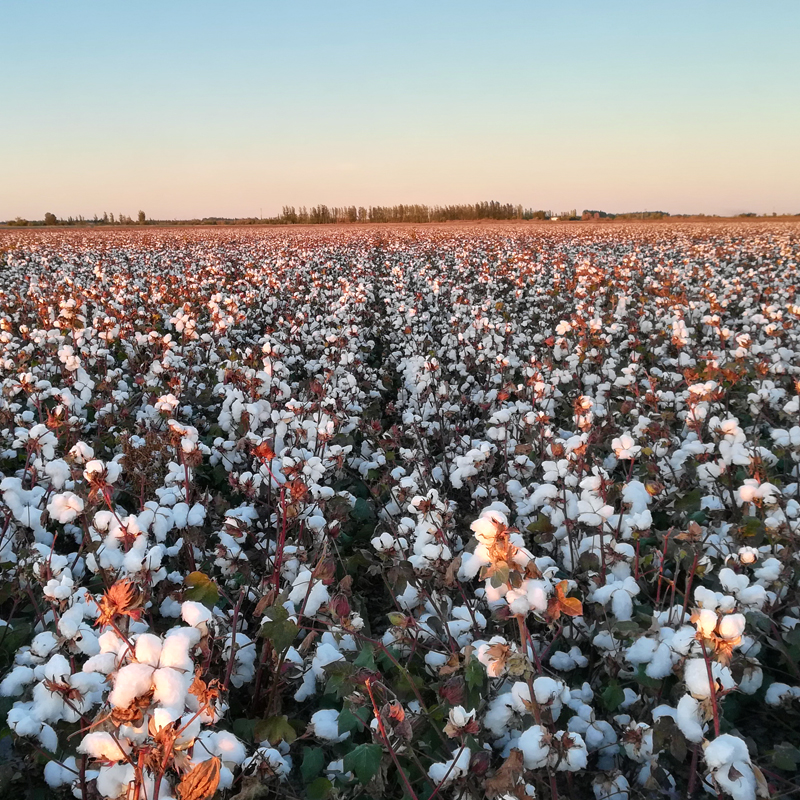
(58, 472)
(449, 771)
(705, 598)
(176, 646)
(325, 725)
(48, 738)
(171, 687)
(317, 597)
(180, 515)
(56, 774)
(534, 746)
(621, 605)
(725, 749)
(148, 649)
(752, 597)
(170, 607)
(688, 718)
(695, 673)
(103, 663)
(779, 693)
(230, 749)
(196, 515)
(195, 614)
(16, 680)
(114, 780)
(642, 650)
(499, 714)
(706, 621)
(65, 507)
(732, 626)
(131, 681)
(576, 756)
(561, 661)
(43, 644)
(104, 746)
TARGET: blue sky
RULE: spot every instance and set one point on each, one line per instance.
(193, 108)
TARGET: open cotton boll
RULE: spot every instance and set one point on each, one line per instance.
(15, 682)
(58, 774)
(445, 773)
(176, 646)
(195, 614)
(688, 718)
(114, 780)
(65, 507)
(103, 746)
(313, 599)
(325, 725)
(148, 649)
(731, 626)
(196, 515)
(171, 687)
(180, 515)
(534, 746)
(131, 681)
(695, 673)
(228, 747)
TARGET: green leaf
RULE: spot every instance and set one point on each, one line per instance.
(541, 524)
(786, 756)
(201, 589)
(319, 789)
(613, 695)
(351, 719)
(689, 501)
(275, 729)
(645, 680)
(364, 761)
(361, 510)
(366, 658)
(500, 575)
(313, 763)
(474, 673)
(278, 628)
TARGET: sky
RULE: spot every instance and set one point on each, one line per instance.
(192, 109)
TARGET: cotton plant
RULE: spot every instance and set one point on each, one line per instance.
(463, 511)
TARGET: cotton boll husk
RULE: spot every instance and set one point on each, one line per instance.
(131, 681)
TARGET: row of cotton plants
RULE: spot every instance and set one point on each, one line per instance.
(505, 513)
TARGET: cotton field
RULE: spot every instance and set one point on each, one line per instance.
(469, 512)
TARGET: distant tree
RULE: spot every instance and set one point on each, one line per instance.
(50, 219)
(142, 218)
